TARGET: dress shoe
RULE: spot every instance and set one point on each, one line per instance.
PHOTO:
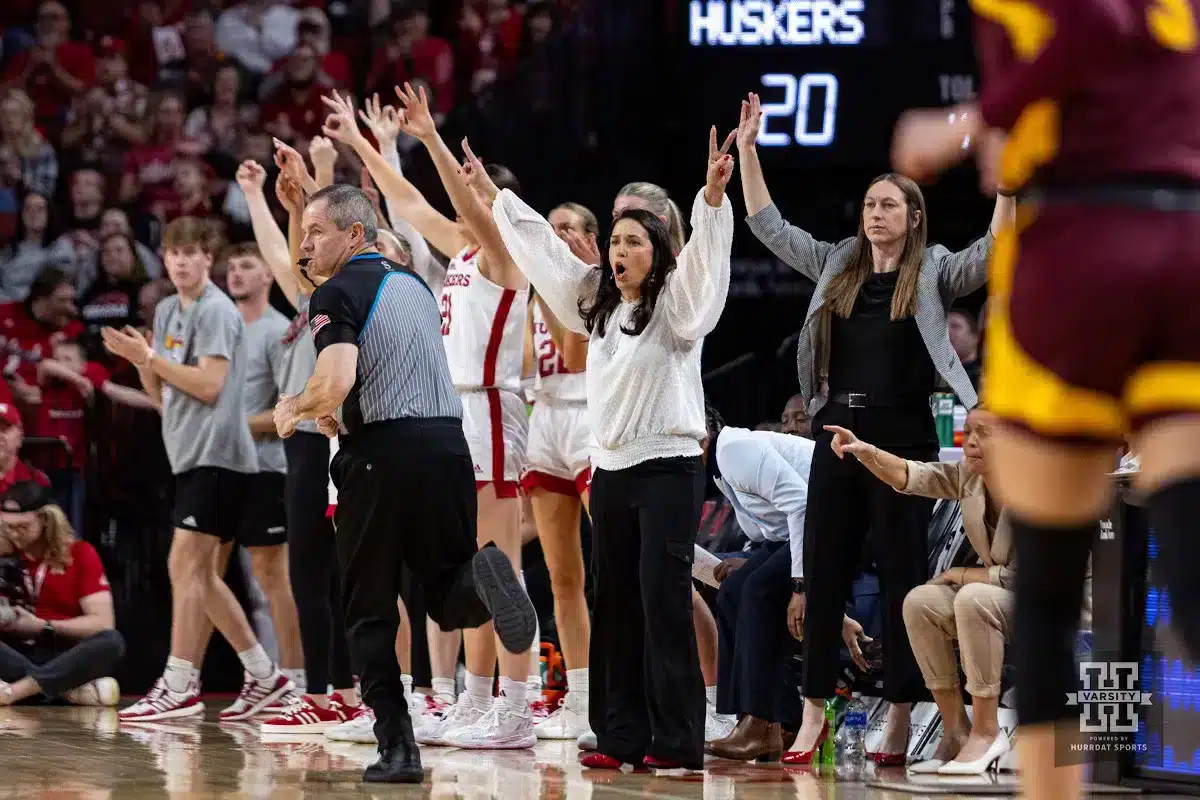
(753, 739)
(399, 758)
(996, 750)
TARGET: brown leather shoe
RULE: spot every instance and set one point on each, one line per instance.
(753, 739)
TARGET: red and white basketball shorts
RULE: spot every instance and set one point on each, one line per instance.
(559, 458)
(496, 427)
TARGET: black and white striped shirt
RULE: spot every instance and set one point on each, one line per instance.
(389, 313)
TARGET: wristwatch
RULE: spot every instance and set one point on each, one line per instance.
(797, 585)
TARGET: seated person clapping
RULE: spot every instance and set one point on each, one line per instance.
(58, 640)
(972, 605)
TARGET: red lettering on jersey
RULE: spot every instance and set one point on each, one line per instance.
(457, 279)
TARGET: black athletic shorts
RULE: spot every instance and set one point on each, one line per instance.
(232, 506)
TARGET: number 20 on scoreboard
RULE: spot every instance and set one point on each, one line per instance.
(809, 106)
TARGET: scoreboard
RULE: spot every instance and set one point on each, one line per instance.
(833, 75)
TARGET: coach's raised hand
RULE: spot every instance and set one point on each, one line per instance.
(720, 167)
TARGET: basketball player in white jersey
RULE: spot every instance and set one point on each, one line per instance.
(483, 329)
(556, 477)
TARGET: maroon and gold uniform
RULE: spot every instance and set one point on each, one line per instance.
(1092, 324)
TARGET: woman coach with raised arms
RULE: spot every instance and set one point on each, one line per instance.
(646, 311)
(875, 333)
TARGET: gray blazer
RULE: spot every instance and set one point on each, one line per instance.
(945, 276)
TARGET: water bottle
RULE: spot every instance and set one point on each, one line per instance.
(851, 737)
(827, 756)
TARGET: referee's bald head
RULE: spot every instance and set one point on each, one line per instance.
(339, 221)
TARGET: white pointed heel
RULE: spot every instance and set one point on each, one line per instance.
(996, 750)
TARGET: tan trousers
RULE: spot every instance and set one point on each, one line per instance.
(978, 615)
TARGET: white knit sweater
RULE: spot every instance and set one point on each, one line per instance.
(645, 399)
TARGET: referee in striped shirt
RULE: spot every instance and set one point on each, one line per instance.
(405, 480)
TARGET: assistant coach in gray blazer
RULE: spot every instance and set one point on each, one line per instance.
(875, 333)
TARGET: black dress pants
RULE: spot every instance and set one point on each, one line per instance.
(754, 646)
(647, 692)
(312, 564)
(63, 665)
(845, 501)
(406, 496)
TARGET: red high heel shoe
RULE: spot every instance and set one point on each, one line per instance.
(661, 763)
(890, 759)
(804, 758)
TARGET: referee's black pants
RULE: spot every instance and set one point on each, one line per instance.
(845, 501)
(406, 495)
(647, 692)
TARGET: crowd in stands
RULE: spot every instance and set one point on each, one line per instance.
(117, 118)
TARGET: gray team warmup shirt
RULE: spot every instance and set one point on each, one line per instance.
(300, 357)
(197, 434)
(266, 359)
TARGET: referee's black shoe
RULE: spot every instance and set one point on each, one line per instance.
(498, 586)
(399, 759)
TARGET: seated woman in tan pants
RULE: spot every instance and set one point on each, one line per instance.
(971, 604)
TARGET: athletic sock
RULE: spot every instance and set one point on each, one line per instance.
(179, 674)
(408, 690)
(513, 692)
(1174, 510)
(479, 689)
(577, 683)
(297, 677)
(444, 690)
(257, 662)
(534, 684)
(1052, 566)
(710, 694)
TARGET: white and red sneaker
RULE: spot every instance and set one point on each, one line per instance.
(305, 716)
(359, 726)
(436, 707)
(162, 703)
(539, 710)
(257, 695)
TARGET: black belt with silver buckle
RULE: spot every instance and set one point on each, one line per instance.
(864, 400)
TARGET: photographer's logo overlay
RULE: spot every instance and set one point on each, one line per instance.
(1109, 699)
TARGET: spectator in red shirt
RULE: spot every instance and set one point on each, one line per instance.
(488, 43)
(412, 53)
(192, 179)
(106, 120)
(69, 385)
(149, 178)
(29, 331)
(292, 107)
(12, 437)
(66, 645)
(54, 70)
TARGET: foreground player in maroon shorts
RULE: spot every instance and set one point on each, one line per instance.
(1094, 327)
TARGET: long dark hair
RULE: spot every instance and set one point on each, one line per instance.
(596, 312)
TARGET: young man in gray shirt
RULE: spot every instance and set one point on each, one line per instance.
(196, 368)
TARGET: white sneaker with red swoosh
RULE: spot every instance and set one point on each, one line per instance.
(305, 716)
(162, 703)
(258, 695)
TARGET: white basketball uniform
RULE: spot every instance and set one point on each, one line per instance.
(560, 439)
(483, 330)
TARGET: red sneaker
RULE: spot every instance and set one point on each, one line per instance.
(257, 695)
(539, 710)
(162, 703)
(305, 716)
